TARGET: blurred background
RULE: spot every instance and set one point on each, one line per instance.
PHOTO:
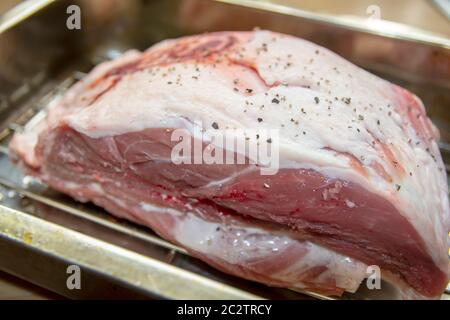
(430, 15)
(425, 14)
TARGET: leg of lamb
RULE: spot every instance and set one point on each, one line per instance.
(360, 180)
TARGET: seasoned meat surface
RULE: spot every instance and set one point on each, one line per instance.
(360, 179)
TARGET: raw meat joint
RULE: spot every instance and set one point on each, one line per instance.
(361, 181)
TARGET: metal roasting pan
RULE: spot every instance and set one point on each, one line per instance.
(42, 232)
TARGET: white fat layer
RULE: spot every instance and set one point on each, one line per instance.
(246, 245)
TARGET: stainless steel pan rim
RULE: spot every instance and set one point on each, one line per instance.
(373, 26)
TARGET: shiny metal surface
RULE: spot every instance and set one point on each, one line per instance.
(374, 26)
(42, 232)
(20, 12)
(443, 6)
(109, 260)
